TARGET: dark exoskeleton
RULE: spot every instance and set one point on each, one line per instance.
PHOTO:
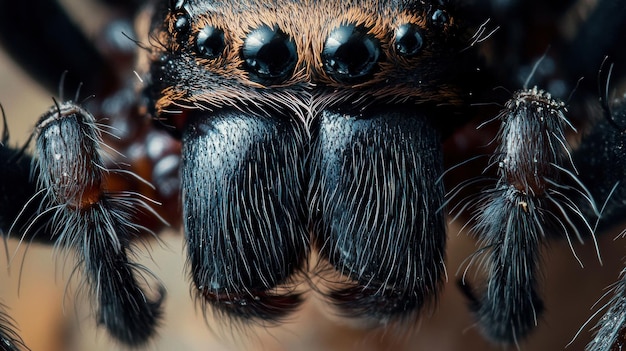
(291, 127)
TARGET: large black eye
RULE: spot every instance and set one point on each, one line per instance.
(269, 54)
(409, 40)
(350, 53)
(210, 42)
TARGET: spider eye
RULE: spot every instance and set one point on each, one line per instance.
(440, 18)
(269, 54)
(350, 53)
(182, 23)
(409, 40)
(210, 42)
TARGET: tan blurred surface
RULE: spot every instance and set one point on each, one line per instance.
(569, 290)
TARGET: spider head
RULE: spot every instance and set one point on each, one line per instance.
(299, 58)
(272, 101)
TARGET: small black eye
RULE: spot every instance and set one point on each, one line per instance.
(350, 53)
(270, 55)
(409, 41)
(439, 18)
(210, 42)
(182, 24)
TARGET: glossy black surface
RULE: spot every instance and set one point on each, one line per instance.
(270, 55)
(350, 53)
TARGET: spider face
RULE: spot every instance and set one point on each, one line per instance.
(292, 118)
(307, 141)
(252, 54)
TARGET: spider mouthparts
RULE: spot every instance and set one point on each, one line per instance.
(243, 205)
(372, 172)
(259, 306)
(376, 305)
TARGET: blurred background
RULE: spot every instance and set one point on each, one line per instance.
(33, 285)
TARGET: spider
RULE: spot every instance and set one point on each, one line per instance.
(317, 141)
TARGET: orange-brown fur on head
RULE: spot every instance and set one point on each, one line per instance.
(308, 23)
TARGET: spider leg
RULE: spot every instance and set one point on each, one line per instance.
(29, 216)
(101, 233)
(95, 222)
(82, 213)
(610, 331)
(518, 213)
